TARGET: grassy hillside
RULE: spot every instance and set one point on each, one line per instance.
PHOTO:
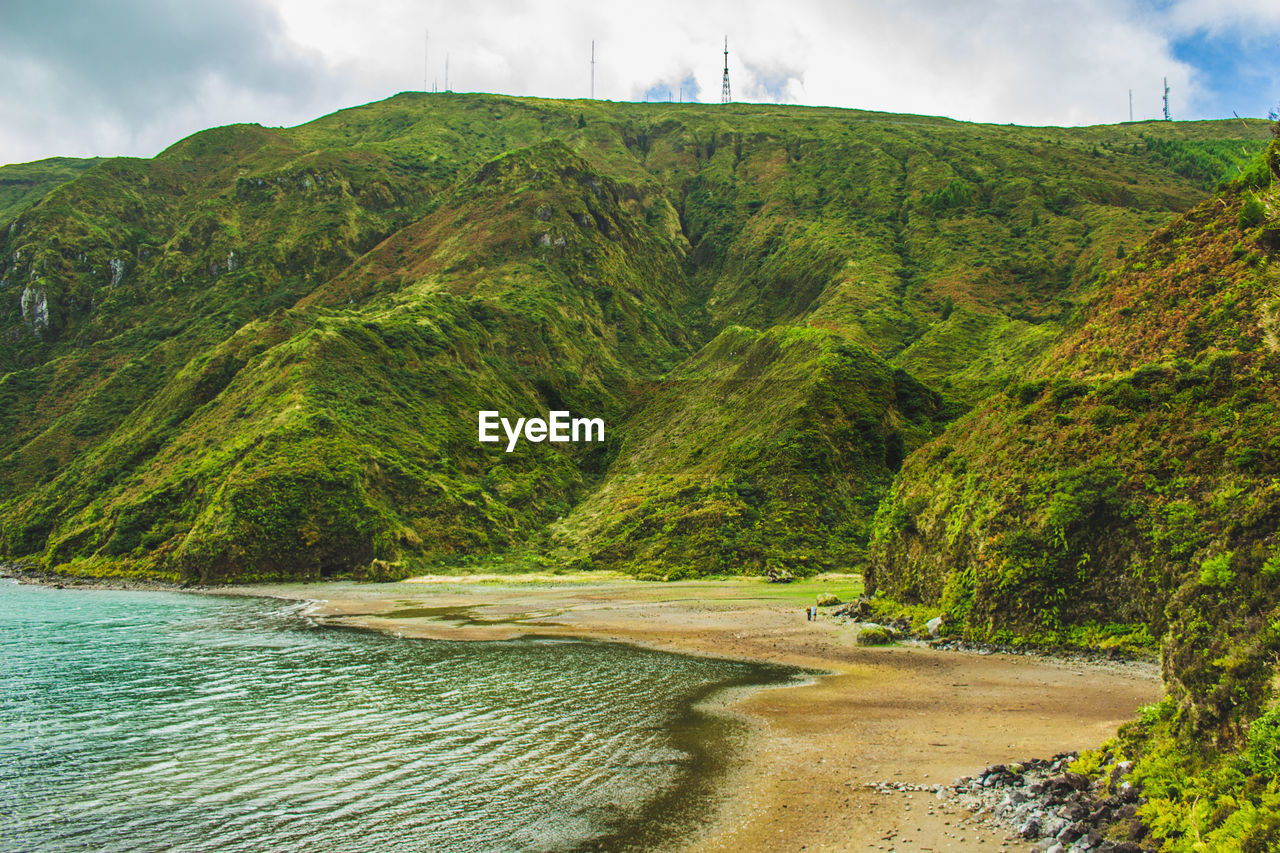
(764, 451)
(261, 353)
(22, 185)
(318, 438)
(1130, 487)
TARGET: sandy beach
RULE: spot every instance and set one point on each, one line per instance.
(903, 713)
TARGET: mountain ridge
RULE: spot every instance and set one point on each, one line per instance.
(569, 253)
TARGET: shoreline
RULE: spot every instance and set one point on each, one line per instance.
(809, 773)
(813, 769)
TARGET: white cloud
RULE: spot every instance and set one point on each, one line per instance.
(133, 76)
(1028, 62)
(1247, 18)
(285, 61)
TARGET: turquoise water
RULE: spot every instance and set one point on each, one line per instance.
(136, 721)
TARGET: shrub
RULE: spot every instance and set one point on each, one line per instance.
(1251, 213)
(1216, 571)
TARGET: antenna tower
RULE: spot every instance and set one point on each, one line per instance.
(446, 72)
(426, 59)
(593, 69)
(1130, 105)
(725, 97)
(1166, 99)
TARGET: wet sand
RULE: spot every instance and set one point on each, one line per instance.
(903, 713)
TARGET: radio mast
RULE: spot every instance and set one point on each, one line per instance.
(1166, 99)
(725, 97)
(593, 69)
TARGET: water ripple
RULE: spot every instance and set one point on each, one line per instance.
(152, 721)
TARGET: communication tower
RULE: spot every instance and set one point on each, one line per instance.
(725, 97)
(1166, 99)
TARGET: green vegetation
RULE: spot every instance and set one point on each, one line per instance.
(763, 451)
(1133, 476)
(1199, 797)
(22, 185)
(260, 354)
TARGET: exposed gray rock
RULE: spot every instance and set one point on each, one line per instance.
(35, 309)
(1034, 799)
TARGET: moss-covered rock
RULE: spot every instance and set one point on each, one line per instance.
(874, 635)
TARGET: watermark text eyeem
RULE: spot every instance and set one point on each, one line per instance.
(557, 427)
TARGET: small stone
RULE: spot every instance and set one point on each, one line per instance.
(1074, 812)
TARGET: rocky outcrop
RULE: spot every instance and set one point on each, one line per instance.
(34, 304)
(1047, 805)
(1044, 801)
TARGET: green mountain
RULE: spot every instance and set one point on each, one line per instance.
(1130, 485)
(262, 353)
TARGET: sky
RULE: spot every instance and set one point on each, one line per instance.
(131, 77)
